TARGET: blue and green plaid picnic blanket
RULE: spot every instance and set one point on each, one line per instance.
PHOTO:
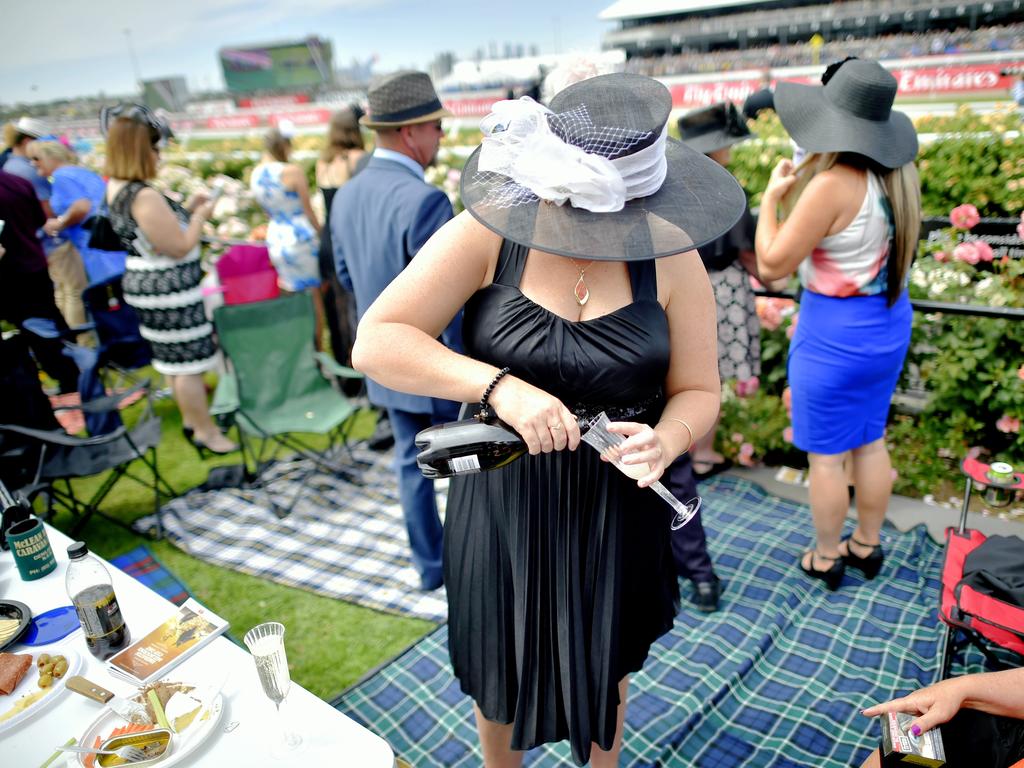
(140, 564)
(341, 539)
(775, 679)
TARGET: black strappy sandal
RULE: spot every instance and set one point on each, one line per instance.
(832, 577)
(870, 565)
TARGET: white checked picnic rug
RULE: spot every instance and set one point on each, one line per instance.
(341, 540)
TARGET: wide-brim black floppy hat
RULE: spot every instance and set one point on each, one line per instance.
(710, 129)
(612, 115)
(851, 113)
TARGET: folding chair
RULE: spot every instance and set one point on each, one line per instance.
(121, 344)
(120, 349)
(980, 608)
(58, 458)
(274, 387)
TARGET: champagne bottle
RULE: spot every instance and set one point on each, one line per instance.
(467, 447)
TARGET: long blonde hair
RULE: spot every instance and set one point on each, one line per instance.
(902, 188)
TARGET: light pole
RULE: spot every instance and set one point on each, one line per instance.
(135, 61)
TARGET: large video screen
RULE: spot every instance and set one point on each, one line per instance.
(291, 65)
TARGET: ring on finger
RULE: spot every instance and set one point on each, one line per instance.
(554, 427)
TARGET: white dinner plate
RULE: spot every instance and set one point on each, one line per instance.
(182, 744)
(28, 686)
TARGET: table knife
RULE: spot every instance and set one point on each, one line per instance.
(131, 711)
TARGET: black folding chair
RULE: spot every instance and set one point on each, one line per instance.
(41, 463)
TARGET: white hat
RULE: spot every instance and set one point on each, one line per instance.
(286, 128)
(30, 126)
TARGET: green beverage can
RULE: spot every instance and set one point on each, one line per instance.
(1000, 472)
(31, 549)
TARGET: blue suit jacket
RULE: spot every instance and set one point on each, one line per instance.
(379, 221)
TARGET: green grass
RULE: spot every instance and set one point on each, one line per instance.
(331, 644)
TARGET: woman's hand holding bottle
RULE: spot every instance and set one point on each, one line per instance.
(544, 423)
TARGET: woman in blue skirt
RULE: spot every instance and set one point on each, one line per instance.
(854, 213)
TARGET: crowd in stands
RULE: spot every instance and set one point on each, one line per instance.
(933, 43)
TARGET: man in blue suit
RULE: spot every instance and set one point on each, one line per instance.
(379, 221)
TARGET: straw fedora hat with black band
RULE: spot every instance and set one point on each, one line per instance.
(402, 98)
(851, 113)
(713, 128)
(618, 118)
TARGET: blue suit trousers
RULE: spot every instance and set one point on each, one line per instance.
(419, 506)
(689, 543)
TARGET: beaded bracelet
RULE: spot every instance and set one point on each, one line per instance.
(485, 413)
(688, 429)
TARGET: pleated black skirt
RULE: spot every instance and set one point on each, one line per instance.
(560, 577)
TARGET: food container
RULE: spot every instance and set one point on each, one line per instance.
(157, 742)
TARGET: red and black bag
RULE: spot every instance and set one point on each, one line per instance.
(983, 586)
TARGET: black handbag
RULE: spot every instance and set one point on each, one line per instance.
(102, 236)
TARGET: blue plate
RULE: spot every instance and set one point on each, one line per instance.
(51, 626)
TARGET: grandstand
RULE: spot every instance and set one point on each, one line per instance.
(659, 28)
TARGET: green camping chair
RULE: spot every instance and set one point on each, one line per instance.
(274, 388)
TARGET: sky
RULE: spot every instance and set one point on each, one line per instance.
(67, 48)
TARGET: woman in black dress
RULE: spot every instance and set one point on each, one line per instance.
(342, 157)
(558, 566)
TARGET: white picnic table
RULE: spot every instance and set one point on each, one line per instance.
(248, 723)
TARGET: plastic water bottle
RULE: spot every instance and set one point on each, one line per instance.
(92, 592)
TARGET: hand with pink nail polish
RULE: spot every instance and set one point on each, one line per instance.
(935, 704)
(995, 693)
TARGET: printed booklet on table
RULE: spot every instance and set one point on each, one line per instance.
(190, 628)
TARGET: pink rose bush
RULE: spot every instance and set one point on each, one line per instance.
(967, 252)
(1008, 424)
(964, 216)
(746, 455)
(748, 387)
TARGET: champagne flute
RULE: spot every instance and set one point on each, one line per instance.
(597, 436)
(266, 644)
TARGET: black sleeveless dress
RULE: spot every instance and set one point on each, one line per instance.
(558, 567)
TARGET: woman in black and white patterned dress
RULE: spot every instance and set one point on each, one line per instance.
(730, 262)
(162, 271)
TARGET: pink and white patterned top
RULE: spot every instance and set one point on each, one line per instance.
(854, 261)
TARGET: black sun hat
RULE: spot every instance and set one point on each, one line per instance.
(602, 144)
(852, 112)
(712, 128)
